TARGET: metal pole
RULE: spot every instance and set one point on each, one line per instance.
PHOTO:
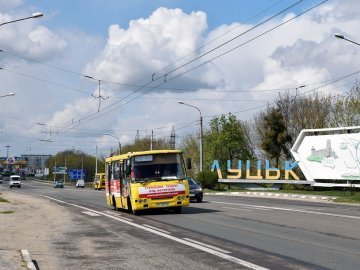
(201, 143)
(65, 172)
(201, 134)
(119, 148)
(82, 165)
(96, 161)
(152, 138)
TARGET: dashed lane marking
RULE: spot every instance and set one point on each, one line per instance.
(206, 245)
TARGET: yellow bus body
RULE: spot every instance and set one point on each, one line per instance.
(99, 181)
(123, 192)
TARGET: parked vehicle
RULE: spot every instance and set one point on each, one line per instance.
(15, 181)
(80, 183)
(196, 192)
(99, 181)
(58, 184)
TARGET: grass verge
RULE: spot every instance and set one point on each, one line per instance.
(350, 199)
(3, 200)
(347, 196)
(7, 212)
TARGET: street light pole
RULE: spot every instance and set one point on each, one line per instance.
(344, 38)
(107, 134)
(33, 16)
(201, 133)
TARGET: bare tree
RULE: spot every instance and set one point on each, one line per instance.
(346, 109)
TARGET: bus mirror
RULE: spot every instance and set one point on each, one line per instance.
(188, 163)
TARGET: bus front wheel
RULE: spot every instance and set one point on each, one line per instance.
(114, 203)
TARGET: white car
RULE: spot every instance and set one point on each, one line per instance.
(80, 183)
(15, 181)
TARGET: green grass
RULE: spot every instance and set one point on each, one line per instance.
(350, 199)
(3, 200)
(342, 196)
(7, 212)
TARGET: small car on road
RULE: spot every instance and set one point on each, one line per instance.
(195, 189)
(58, 184)
(80, 183)
(15, 181)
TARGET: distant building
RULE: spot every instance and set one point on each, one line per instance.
(36, 163)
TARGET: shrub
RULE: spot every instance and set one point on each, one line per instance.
(207, 179)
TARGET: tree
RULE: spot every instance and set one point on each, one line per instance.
(346, 109)
(304, 112)
(73, 160)
(144, 144)
(275, 137)
(227, 140)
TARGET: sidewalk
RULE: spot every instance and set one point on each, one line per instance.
(285, 196)
(33, 224)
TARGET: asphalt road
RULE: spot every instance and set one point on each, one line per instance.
(220, 233)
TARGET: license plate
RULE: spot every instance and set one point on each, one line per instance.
(162, 204)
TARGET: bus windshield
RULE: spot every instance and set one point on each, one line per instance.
(158, 167)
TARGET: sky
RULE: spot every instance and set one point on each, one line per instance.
(148, 55)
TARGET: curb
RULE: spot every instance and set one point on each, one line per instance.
(26, 256)
(273, 195)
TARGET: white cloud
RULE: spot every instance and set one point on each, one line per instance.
(148, 45)
(10, 4)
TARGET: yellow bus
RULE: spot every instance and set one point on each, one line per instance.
(99, 181)
(144, 180)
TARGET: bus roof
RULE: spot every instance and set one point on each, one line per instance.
(132, 154)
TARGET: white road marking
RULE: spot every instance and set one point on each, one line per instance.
(176, 239)
(206, 245)
(290, 210)
(160, 230)
(239, 209)
(112, 213)
(92, 214)
(246, 208)
(26, 256)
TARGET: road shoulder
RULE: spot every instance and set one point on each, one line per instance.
(34, 225)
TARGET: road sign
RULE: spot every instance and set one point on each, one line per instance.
(60, 170)
(75, 174)
(10, 160)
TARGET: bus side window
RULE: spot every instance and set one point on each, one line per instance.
(109, 171)
(117, 170)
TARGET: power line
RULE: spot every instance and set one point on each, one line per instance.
(164, 76)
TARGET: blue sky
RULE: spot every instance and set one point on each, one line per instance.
(94, 17)
(95, 38)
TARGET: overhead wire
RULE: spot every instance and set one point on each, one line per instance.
(101, 113)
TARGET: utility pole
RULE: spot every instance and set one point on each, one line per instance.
(7, 150)
(96, 159)
(65, 172)
(152, 139)
(82, 166)
(172, 138)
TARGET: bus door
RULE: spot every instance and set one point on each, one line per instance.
(108, 187)
(117, 177)
(125, 182)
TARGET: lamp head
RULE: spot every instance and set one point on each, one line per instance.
(37, 15)
(339, 36)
